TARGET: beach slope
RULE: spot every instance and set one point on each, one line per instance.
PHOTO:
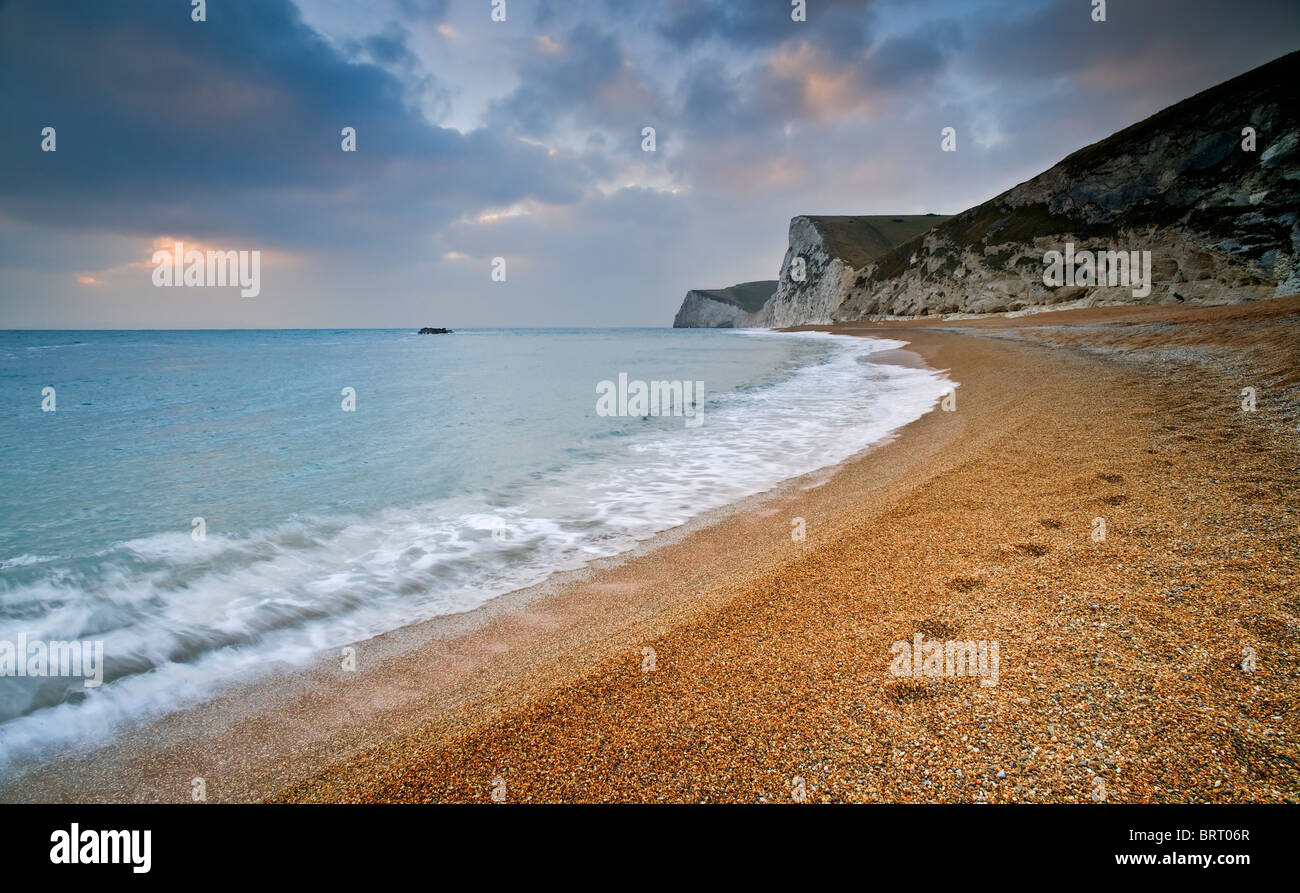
(1158, 663)
(732, 661)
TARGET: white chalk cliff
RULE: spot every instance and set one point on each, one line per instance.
(1209, 186)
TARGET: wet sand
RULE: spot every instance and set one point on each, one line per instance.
(730, 662)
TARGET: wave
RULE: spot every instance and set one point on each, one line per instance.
(180, 619)
(25, 560)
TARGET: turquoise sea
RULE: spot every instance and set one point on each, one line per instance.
(203, 503)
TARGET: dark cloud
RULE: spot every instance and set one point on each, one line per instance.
(903, 61)
(233, 125)
(426, 10)
(838, 26)
(835, 76)
(557, 79)
(1158, 41)
(390, 50)
(544, 14)
(711, 100)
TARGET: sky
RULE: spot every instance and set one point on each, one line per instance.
(523, 139)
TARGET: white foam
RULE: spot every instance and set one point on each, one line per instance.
(275, 599)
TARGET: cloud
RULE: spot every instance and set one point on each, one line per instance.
(838, 26)
(232, 127)
(1156, 43)
(582, 76)
(429, 10)
(908, 60)
(478, 139)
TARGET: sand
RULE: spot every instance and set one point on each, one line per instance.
(729, 662)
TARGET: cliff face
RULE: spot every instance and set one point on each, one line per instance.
(1219, 221)
(724, 308)
(833, 250)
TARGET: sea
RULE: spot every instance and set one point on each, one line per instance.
(213, 506)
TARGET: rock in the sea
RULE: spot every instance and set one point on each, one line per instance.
(429, 330)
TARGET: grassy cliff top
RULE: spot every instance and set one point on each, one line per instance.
(860, 240)
(748, 296)
(1209, 122)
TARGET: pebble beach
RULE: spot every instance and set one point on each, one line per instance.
(732, 661)
(1158, 664)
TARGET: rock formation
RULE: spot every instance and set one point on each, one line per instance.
(832, 251)
(1210, 187)
(724, 308)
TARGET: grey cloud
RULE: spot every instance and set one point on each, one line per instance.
(710, 97)
(429, 10)
(840, 26)
(1168, 37)
(169, 127)
(553, 84)
(233, 126)
(903, 60)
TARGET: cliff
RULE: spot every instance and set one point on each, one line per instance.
(1219, 221)
(724, 308)
(833, 250)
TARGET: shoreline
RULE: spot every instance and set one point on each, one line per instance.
(772, 656)
(319, 704)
